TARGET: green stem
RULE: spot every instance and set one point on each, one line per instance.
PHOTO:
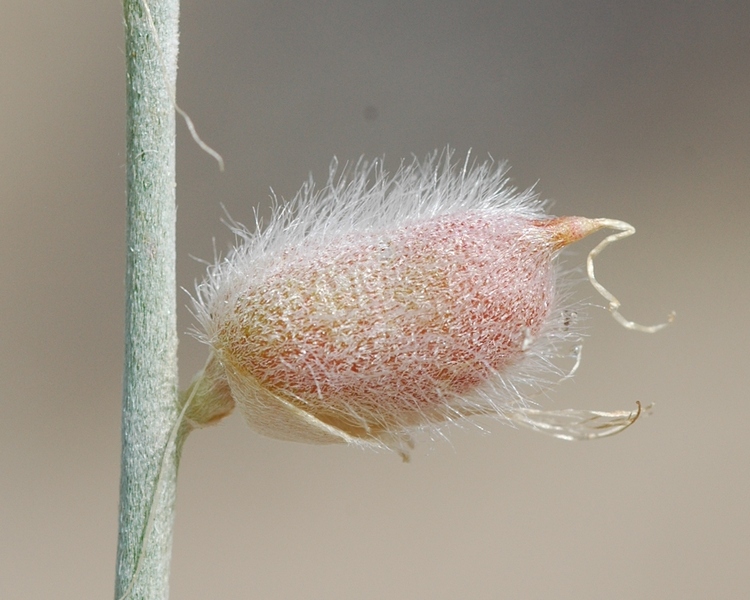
(150, 403)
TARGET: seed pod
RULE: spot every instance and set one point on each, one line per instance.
(384, 305)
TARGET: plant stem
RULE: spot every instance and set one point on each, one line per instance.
(150, 404)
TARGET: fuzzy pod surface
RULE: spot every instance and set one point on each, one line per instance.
(382, 305)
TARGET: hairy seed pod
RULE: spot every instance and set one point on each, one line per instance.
(381, 305)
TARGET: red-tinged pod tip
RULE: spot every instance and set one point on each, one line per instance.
(564, 231)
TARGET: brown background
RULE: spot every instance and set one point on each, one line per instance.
(631, 110)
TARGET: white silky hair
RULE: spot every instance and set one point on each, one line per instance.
(364, 199)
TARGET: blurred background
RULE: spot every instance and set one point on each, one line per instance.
(631, 110)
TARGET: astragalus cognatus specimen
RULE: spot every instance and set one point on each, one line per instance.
(382, 305)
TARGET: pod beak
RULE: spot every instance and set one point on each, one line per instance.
(563, 231)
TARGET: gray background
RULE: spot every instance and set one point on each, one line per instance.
(631, 110)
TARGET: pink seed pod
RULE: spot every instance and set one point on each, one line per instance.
(385, 305)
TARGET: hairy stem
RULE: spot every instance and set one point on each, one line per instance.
(150, 405)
